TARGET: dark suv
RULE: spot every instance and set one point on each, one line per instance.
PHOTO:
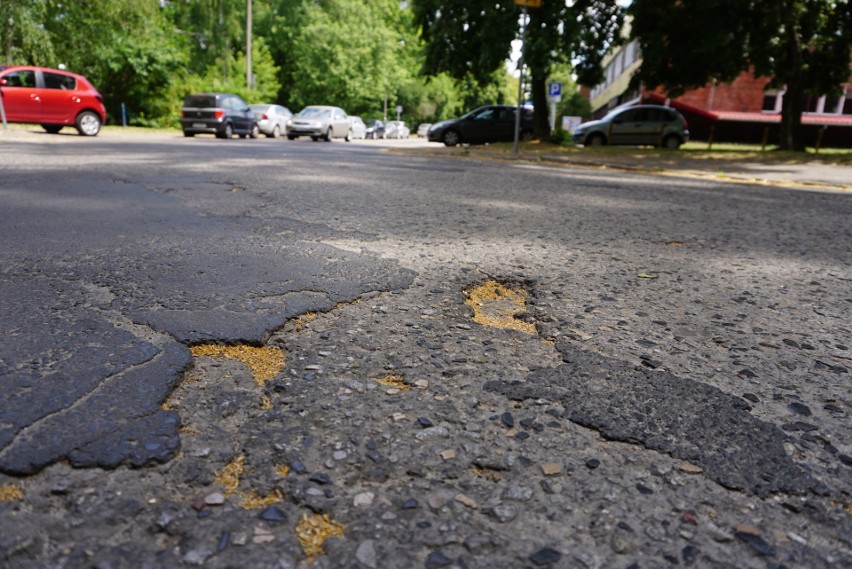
(494, 123)
(222, 114)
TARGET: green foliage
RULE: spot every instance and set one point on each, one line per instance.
(561, 137)
(801, 44)
(472, 38)
(351, 53)
(23, 40)
(148, 54)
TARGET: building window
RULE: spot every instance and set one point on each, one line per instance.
(813, 104)
(772, 101)
(831, 105)
(630, 56)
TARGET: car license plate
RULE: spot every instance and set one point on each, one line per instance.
(199, 125)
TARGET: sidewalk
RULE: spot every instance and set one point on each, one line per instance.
(769, 168)
(812, 174)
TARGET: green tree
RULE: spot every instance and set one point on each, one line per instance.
(803, 45)
(127, 48)
(214, 29)
(23, 39)
(474, 37)
(350, 53)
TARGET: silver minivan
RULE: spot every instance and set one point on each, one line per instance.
(649, 125)
(320, 122)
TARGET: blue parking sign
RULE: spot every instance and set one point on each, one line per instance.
(554, 89)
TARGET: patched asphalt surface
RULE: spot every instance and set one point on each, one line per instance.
(684, 401)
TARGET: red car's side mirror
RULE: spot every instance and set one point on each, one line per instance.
(4, 82)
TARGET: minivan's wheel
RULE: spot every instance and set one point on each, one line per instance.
(276, 132)
(596, 139)
(188, 134)
(255, 131)
(348, 136)
(291, 137)
(227, 131)
(672, 142)
(88, 123)
(52, 128)
(328, 135)
(451, 138)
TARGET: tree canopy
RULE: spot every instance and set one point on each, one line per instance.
(148, 54)
(802, 45)
(474, 37)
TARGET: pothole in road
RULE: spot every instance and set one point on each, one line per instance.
(497, 305)
(264, 362)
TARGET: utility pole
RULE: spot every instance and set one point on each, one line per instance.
(520, 78)
(249, 82)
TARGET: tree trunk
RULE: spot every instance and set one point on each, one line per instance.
(541, 120)
(792, 107)
(793, 104)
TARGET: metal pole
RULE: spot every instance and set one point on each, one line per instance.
(3, 111)
(249, 82)
(520, 80)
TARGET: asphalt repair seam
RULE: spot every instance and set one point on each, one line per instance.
(685, 419)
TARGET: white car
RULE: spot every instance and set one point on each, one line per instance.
(271, 119)
(359, 129)
(320, 122)
(397, 129)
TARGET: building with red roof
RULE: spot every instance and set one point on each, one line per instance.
(743, 110)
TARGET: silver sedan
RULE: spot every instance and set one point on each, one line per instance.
(271, 119)
(320, 122)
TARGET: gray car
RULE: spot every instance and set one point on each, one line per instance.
(271, 119)
(649, 125)
(320, 122)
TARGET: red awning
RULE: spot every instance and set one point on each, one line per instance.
(768, 118)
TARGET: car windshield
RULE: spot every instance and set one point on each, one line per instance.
(315, 113)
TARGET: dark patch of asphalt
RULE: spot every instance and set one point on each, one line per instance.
(100, 313)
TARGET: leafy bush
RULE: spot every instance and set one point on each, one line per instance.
(561, 137)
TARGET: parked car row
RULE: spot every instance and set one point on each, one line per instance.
(224, 115)
(55, 98)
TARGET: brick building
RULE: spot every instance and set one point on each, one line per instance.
(740, 111)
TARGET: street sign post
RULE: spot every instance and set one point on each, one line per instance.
(554, 90)
(554, 95)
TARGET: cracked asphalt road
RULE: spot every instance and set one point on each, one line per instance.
(684, 400)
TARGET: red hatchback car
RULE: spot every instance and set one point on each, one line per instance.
(52, 98)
